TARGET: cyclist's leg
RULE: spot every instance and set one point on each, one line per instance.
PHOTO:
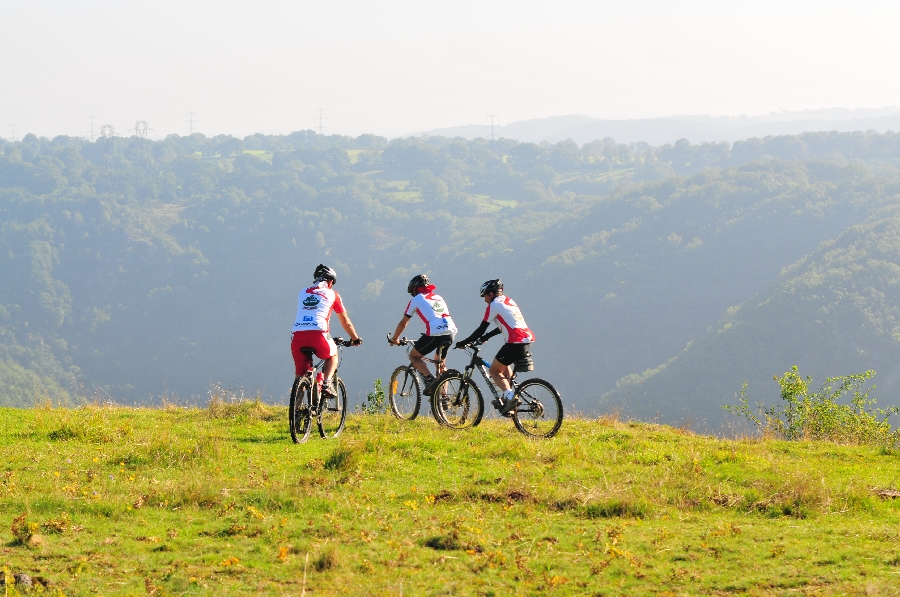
(501, 368)
(440, 354)
(423, 346)
(327, 351)
(302, 362)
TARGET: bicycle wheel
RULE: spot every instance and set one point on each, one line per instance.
(298, 411)
(541, 411)
(405, 393)
(333, 412)
(456, 402)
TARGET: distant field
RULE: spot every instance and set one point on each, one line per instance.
(354, 154)
(217, 501)
(261, 154)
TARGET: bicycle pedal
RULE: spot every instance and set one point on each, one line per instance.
(496, 404)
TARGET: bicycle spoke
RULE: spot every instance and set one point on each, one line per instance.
(333, 411)
(405, 394)
(540, 414)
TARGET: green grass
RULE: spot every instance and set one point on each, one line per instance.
(261, 154)
(353, 154)
(184, 501)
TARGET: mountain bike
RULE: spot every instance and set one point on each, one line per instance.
(405, 389)
(308, 402)
(540, 413)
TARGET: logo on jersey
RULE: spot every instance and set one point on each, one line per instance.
(438, 307)
(307, 318)
(311, 301)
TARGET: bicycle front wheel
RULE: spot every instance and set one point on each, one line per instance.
(333, 411)
(540, 413)
(298, 410)
(457, 403)
(405, 393)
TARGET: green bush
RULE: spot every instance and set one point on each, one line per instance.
(803, 414)
(375, 402)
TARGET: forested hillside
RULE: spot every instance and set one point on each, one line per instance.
(138, 267)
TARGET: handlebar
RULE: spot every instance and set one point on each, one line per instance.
(474, 344)
(400, 342)
(341, 342)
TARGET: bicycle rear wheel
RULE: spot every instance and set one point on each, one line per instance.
(298, 410)
(457, 403)
(541, 411)
(333, 412)
(405, 393)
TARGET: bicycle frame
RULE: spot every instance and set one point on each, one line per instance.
(483, 366)
(311, 372)
(440, 366)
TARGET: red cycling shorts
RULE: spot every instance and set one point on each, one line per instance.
(320, 342)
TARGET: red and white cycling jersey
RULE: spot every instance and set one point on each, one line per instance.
(314, 308)
(506, 314)
(433, 311)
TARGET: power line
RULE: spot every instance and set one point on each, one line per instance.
(107, 131)
(320, 127)
(12, 132)
(492, 117)
(191, 118)
(141, 129)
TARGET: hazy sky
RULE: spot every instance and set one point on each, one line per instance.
(394, 67)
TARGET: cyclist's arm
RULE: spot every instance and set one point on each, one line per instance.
(348, 325)
(404, 321)
(491, 334)
(474, 335)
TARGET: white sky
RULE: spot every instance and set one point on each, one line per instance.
(395, 67)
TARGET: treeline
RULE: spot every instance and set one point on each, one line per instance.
(137, 267)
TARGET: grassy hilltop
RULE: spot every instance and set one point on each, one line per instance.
(187, 501)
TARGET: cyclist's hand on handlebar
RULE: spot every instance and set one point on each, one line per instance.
(356, 342)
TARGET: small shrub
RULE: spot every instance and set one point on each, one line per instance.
(617, 508)
(343, 458)
(803, 414)
(448, 542)
(327, 560)
(59, 525)
(375, 402)
(22, 529)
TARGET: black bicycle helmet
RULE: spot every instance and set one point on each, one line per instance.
(495, 286)
(420, 280)
(324, 273)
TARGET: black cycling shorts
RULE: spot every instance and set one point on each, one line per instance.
(441, 344)
(510, 353)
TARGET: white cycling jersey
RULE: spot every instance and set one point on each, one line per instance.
(314, 308)
(433, 311)
(506, 314)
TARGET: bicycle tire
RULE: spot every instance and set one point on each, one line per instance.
(541, 412)
(457, 403)
(298, 411)
(435, 412)
(405, 393)
(333, 412)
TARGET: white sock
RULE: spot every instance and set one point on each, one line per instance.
(508, 394)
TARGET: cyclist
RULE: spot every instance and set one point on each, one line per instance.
(506, 314)
(439, 327)
(311, 328)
